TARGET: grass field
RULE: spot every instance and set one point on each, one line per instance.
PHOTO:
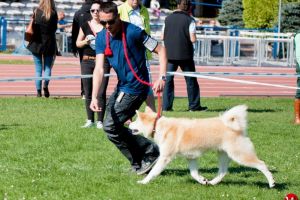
(44, 154)
(17, 62)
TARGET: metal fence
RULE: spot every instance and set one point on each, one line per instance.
(247, 48)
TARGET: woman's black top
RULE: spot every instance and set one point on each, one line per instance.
(86, 49)
(44, 41)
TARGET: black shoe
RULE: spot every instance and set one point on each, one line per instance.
(46, 92)
(146, 166)
(135, 168)
(204, 108)
(39, 93)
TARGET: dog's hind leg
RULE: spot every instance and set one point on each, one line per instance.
(223, 168)
(157, 168)
(244, 154)
(194, 172)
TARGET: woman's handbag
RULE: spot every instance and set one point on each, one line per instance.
(29, 30)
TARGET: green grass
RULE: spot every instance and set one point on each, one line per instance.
(45, 155)
(16, 62)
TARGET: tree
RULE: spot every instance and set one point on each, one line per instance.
(260, 13)
(231, 13)
(290, 17)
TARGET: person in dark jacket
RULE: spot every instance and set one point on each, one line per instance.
(43, 46)
(179, 35)
(81, 16)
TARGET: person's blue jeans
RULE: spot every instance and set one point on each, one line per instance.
(192, 85)
(134, 147)
(42, 63)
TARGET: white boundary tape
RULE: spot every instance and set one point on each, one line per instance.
(230, 80)
(264, 74)
(204, 75)
(49, 78)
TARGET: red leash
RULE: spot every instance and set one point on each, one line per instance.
(159, 106)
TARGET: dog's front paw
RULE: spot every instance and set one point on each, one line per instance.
(271, 185)
(212, 183)
(142, 182)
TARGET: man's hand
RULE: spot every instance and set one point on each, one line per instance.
(158, 85)
(94, 105)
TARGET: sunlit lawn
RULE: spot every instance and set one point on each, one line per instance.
(44, 154)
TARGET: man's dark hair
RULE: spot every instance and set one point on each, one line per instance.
(184, 4)
(109, 7)
(186, 1)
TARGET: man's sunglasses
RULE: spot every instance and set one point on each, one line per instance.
(94, 10)
(110, 22)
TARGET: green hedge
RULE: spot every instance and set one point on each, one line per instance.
(260, 14)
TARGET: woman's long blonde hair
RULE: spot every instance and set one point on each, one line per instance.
(47, 6)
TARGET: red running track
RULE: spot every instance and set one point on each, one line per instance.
(208, 88)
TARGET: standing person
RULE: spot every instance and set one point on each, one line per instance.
(179, 35)
(124, 45)
(80, 16)
(132, 11)
(62, 28)
(62, 24)
(43, 46)
(86, 42)
(297, 96)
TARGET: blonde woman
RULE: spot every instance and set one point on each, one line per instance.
(86, 42)
(43, 46)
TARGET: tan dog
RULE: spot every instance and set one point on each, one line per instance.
(192, 137)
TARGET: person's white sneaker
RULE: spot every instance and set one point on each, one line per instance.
(88, 124)
(99, 125)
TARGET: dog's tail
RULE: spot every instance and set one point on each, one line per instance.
(236, 118)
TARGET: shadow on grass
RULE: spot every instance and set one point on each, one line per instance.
(231, 170)
(5, 126)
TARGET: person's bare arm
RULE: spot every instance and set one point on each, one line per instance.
(193, 37)
(97, 80)
(159, 84)
(81, 39)
(192, 30)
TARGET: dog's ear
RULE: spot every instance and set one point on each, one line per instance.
(137, 113)
(148, 110)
